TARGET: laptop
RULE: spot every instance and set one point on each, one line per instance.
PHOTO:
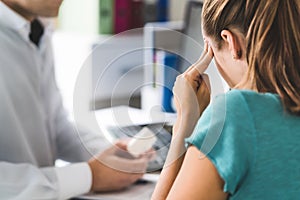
(161, 146)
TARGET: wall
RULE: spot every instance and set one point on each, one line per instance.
(79, 16)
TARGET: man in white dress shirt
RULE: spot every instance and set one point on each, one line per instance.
(34, 128)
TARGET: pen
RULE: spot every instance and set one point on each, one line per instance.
(141, 182)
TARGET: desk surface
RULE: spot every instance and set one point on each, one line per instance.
(127, 116)
(124, 116)
(137, 191)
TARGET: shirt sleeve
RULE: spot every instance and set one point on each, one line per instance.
(76, 144)
(72, 143)
(25, 181)
(225, 134)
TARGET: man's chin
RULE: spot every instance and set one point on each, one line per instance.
(50, 14)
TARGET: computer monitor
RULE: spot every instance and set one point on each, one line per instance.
(192, 46)
(192, 41)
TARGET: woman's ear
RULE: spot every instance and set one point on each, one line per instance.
(233, 44)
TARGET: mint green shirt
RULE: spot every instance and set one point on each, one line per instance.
(253, 143)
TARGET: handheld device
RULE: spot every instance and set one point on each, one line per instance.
(141, 142)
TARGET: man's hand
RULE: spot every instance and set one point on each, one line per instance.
(115, 168)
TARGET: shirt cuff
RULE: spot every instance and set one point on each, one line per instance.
(74, 180)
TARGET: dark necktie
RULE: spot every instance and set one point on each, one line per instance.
(36, 31)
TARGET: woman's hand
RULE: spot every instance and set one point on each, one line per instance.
(192, 89)
(192, 95)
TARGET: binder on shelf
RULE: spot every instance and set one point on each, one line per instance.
(150, 11)
(122, 15)
(164, 75)
(162, 10)
(170, 74)
(157, 36)
(158, 71)
(106, 9)
(137, 20)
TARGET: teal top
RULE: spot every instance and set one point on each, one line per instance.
(253, 143)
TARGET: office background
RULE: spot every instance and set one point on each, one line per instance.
(77, 31)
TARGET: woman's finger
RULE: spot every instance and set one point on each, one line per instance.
(205, 80)
(207, 57)
(205, 50)
(203, 93)
(200, 64)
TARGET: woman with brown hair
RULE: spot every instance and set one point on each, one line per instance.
(245, 145)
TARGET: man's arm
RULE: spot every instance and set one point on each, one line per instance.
(25, 181)
(72, 142)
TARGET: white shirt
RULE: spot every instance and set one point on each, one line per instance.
(34, 128)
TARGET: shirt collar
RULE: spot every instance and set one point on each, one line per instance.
(15, 21)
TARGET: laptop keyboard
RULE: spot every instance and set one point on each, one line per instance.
(161, 146)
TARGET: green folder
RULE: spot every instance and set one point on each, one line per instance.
(106, 8)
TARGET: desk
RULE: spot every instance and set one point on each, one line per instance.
(125, 116)
(139, 191)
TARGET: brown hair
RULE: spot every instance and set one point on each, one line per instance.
(272, 35)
